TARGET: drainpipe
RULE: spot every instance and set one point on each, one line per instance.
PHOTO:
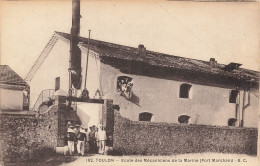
(237, 107)
(244, 106)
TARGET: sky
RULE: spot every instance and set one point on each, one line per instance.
(226, 31)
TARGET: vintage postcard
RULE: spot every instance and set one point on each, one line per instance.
(157, 82)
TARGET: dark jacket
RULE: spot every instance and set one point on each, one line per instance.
(71, 136)
(81, 136)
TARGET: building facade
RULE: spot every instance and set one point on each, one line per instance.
(14, 91)
(150, 86)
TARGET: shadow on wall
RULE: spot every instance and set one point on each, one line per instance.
(135, 99)
(89, 113)
(84, 117)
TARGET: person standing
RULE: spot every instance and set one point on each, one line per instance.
(102, 135)
(87, 141)
(97, 140)
(81, 138)
(91, 137)
(71, 137)
(76, 130)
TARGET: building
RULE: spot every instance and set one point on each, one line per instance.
(150, 86)
(14, 91)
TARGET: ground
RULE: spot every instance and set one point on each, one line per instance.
(202, 159)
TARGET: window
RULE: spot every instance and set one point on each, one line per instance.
(125, 86)
(233, 96)
(122, 82)
(185, 90)
(57, 83)
(184, 119)
(145, 116)
(232, 122)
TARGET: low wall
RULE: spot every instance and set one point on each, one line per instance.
(28, 136)
(148, 138)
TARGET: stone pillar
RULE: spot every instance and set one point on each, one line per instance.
(108, 120)
(60, 102)
(60, 99)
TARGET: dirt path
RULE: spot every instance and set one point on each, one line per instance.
(204, 159)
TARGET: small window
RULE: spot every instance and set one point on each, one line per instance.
(145, 116)
(233, 96)
(184, 119)
(57, 83)
(185, 90)
(232, 122)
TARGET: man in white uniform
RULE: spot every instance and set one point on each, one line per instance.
(71, 139)
(81, 137)
(102, 135)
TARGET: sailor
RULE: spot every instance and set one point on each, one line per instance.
(96, 139)
(102, 135)
(71, 137)
(81, 137)
(87, 141)
(76, 130)
(91, 140)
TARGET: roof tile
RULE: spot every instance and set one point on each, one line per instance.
(159, 59)
(8, 76)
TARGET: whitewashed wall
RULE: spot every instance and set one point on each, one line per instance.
(208, 105)
(11, 99)
(55, 65)
(89, 114)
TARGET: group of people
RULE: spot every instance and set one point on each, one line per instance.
(81, 142)
(125, 87)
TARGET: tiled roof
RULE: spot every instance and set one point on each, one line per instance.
(8, 76)
(116, 51)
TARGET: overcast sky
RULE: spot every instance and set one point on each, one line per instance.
(228, 32)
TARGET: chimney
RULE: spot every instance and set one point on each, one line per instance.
(75, 17)
(75, 52)
(141, 49)
(213, 63)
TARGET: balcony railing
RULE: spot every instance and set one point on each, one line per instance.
(44, 95)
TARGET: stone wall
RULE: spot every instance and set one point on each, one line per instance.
(108, 120)
(28, 136)
(149, 138)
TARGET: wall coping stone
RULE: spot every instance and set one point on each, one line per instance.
(17, 114)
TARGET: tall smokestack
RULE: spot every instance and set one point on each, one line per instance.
(75, 52)
(75, 18)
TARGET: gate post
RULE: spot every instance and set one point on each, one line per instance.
(108, 120)
(60, 102)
